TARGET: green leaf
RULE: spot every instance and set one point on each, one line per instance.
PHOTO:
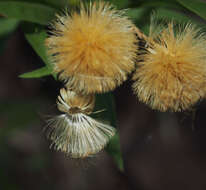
(161, 3)
(44, 71)
(7, 26)
(55, 3)
(52, 3)
(136, 13)
(32, 12)
(177, 16)
(114, 150)
(120, 3)
(196, 6)
(171, 15)
(106, 102)
(36, 35)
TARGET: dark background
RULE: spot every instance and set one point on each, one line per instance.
(161, 151)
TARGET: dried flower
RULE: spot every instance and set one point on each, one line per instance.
(74, 132)
(172, 72)
(93, 50)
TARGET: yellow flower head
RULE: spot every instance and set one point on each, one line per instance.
(172, 73)
(94, 49)
(74, 132)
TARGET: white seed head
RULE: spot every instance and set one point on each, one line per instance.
(74, 132)
(78, 135)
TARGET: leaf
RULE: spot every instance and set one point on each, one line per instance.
(196, 6)
(44, 71)
(7, 26)
(171, 15)
(120, 3)
(114, 150)
(161, 3)
(106, 102)
(32, 12)
(59, 3)
(36, 35)
(136, 13)
(52, 3)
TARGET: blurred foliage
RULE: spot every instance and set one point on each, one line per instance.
(7, 26)
(16, 117)
(34, 16)
(105, 102)
(23, 11)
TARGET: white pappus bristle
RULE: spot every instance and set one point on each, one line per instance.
(78, 135)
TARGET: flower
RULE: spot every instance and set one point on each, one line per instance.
(74, 132)
(172, 72)
(71, 102)
(93, 50)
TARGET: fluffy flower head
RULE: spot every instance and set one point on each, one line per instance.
(94, 49)
(172, 73)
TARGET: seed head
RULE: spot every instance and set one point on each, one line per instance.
(94, 49)
(172, 73)
(74, 132)
(71, 102)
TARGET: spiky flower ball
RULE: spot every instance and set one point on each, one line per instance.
(94, 49)
(172, 73)
(74, 132)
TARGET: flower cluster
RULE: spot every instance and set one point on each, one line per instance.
(94, 50)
